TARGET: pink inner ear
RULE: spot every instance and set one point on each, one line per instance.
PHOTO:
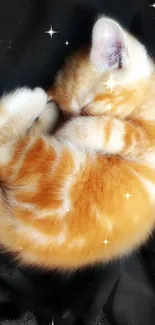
(115, 55)
(108, 44)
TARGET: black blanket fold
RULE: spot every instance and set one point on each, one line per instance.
(103, 295)
(29, 319)
(26, 319)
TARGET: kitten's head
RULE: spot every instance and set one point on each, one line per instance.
(107, 76)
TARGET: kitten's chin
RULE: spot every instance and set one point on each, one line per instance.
(70, 114)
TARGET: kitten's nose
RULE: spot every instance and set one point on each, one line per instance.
(84, 111)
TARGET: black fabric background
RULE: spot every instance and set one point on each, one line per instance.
(122, 293)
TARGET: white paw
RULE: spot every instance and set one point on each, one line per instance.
(49, 118)
(25, 100)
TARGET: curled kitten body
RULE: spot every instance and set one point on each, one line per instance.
(87, 193)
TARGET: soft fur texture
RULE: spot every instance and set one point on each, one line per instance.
(63, 198)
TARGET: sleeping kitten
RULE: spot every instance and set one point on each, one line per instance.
(86, 194)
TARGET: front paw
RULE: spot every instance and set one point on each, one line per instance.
(40, 99)
(49, 119)
(25, 101)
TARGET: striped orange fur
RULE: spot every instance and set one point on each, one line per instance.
(87, 193)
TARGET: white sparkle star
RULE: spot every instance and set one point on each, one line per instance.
(21, 248)
(51, 32)
(67, 43)
(153, 5)
(106, 34)
(106, 242)
(127, 195)
(110, 83)
(109, 107)
(52, 322)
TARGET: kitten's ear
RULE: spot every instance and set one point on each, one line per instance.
(109, 48)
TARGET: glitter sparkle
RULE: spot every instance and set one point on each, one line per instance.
(110, 83)
(67, 43)
(106, 34)
(106, 242)
(51, 32)
(52, 322)
(153, 5)
(127, 195)
(109, 107)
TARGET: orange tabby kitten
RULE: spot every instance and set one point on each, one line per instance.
(86, 194)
